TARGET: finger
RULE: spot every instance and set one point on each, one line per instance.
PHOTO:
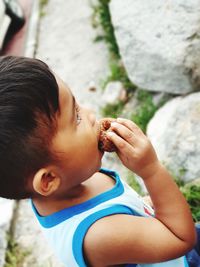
(124, 132)
(129, 124)
(121, 145)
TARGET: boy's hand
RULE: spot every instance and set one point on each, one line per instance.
(133, 147)
(170, 232)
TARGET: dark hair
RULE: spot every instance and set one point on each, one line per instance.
(28, 104)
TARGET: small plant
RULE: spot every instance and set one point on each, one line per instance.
(144, 113)
(191, 192)
(192, 195)
(118, 73)
(43, 3)
(113, 110)
(131, 180)
(146, 109)
(101, 18)
(14, 254)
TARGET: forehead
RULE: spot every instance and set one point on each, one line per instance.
(63, 88)
(64, 92)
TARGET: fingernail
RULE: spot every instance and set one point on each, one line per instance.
(113, 124)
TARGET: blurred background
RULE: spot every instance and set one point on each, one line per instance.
(134, 59)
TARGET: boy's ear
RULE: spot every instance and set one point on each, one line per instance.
(45, 182)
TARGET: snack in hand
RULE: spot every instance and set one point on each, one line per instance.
(104, 143)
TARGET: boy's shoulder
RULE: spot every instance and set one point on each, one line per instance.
(112, 239)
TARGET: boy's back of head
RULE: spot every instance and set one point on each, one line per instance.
(28, 103)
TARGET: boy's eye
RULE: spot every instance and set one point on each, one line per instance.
(78, 117)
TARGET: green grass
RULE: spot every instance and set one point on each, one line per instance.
(191, 191)
(131, 180)
(14, 254)
(192, 195)
(43, 3)
(102, 19)
(118, 73)
(146, 107)
(112, 110)
(145, 111)
(142, 114)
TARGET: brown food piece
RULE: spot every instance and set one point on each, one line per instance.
(104, 143)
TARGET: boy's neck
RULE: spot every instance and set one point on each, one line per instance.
(49, 205)
(95, 185)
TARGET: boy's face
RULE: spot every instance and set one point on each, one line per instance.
(76, 140)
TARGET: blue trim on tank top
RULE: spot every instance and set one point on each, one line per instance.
(185, 262)
(64, 214)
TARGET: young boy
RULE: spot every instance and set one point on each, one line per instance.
(49, 153)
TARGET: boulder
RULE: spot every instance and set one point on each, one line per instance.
(159, 43)
(114, 92)
(175, 134)
(6, 210)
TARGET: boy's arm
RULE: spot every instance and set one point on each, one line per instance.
(122, 239)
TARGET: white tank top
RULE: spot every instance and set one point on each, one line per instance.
(65, 230)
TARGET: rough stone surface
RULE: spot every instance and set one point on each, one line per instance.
(32, 242)
(70, 50)
(113, 93)
(175, 134)
(159, 43)
(6, 211)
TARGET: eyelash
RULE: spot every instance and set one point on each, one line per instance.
(78, 117)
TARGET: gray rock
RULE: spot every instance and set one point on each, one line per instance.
(6, 211)
(159, 43)
(31, 240)
(71, 52)
(114, 92)
(175, 134)
(130, 107)
(194, 182)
